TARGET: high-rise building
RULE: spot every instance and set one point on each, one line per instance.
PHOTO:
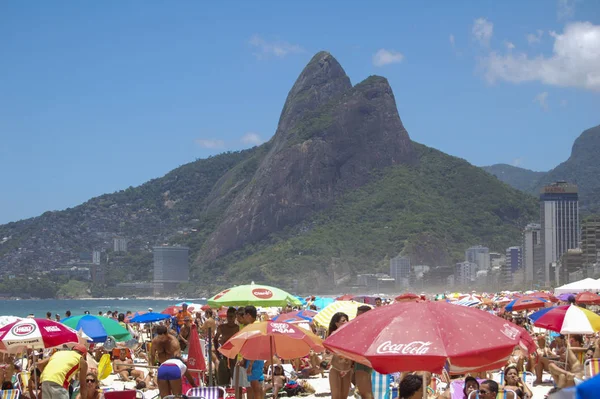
(96, 257)
(400, 268)
(570, 264)
(533, 253)
(465, 273)
(590, 241)
(119, 244)
(514, 259)
(479, 255)
(559, 208)
(171, 267)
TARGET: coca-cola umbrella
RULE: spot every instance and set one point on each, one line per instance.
(407, 297)
(253, 294)
(424, 335)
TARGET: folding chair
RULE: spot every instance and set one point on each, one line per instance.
(23, 380)
(207, 392)
(10, 394)
(127, 394)
(288, 371)
(381, 385)
(592, 368)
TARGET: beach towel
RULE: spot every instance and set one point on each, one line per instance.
(381, 385)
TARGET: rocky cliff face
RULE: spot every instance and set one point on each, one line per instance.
(329, 138)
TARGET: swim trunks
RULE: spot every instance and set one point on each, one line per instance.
(257, 371)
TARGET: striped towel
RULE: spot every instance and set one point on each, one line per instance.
(381, 385)
(10, 394)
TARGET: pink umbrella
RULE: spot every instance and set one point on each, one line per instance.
(35, 334)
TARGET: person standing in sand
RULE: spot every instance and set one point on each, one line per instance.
(340, 374)
(362, 373)
(222, 335)
(163, 347)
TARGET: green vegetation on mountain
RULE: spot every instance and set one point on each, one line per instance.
(431, 211)
(519, 178)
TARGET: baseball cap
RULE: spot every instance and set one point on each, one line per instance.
(81, 349)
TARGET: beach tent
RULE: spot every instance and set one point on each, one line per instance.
(588, 284)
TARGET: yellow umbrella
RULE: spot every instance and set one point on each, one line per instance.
(349, 307)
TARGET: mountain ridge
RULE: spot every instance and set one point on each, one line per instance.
(338, 190)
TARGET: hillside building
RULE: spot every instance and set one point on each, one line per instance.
(533, 253)
(479, 255)
(171, 268)
(590, 241)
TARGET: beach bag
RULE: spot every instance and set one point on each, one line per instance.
(292, 388)
(104, 367)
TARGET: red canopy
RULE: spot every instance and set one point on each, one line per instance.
(424, 335)
(346, 297)
(544, 295)
(408, 296)
(588, 298)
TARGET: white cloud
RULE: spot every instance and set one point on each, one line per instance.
(517, 162)
(533, 38)
(279, 49)
(575, 61)
(210, 143)
(452, 41)
(384, 57)
(565, 9)
(483, 31)
(542, 100)
(509, 45)
(251, 138)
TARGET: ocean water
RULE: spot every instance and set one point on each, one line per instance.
(39, 307)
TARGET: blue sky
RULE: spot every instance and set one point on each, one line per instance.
(99, 96)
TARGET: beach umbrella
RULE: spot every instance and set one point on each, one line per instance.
(349, 307)
(345, 297)
(4, 320)
(149, 317)
(253, 294)
(408, 296)
(425, 335)
(173, 310)
(35, 334)
(298, 316)
(260, 341)
(567, 319)
(565, 296)
(322, 303)
(525, 303)
(587, 298)
(543, 295)
(195, 357)
(98, 328)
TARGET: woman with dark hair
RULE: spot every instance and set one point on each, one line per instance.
(340, 374)
(93, 389)
(513, 382)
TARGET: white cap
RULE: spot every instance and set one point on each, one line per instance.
(149, 309)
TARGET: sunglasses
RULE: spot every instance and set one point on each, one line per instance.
(90, 380)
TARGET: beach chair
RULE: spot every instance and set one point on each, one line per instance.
(207, 392)
(504, 394)
(127, 394)
(381, 385)
(23, 380)
(10, 394)
(591, 367)
(288, 371)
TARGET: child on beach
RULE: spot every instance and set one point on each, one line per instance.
(277, 381)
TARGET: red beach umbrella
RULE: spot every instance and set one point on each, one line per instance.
(346, 297)
(525, 303)
(35, 334)
(544, 295)
(588, 298)
(409, 296)
(195, 356)
(424, 335)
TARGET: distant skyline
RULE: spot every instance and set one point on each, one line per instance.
(97, 97)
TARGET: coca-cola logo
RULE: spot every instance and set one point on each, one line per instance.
(262, 293)
(24, 329)
(52, 329)
(509, 331)
(411, 348)
(220, 295)
(284, 328)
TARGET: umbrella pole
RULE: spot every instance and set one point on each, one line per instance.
(35, 382)
(210, 370)
(271, 354)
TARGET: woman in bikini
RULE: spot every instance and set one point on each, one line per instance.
(340, 374)
(513, 382)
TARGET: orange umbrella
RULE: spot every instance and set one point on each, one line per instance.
(259, 341)
(588, 298)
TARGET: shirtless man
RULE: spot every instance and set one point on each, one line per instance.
(184, 333)
(124, 367)
(223, 333)
(209, 324)
(164, 346)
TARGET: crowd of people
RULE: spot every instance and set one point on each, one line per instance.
(73, 373)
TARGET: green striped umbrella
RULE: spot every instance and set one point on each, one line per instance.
(98, 328)
(253, 294)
